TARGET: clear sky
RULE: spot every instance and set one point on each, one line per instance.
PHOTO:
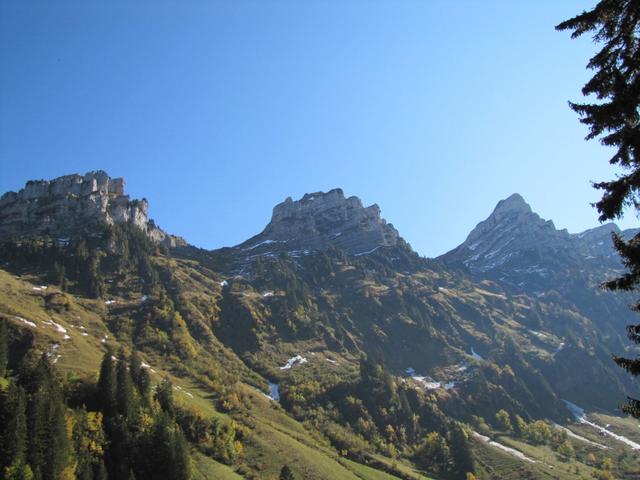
(217, 111)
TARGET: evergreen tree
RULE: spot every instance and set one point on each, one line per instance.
(181, 463)
(58, 444)
(100, 472)
(36, 427)
(164, 396)
(140, 377)
(59, 274)
(107, 384)
(4, 348)
(461, 454)
(13, 424)
(120, 451)
(286, 473)
(615, 119)
(124, 390)
(48, 448)
(135, 367)
(144, 386)
(163, 452)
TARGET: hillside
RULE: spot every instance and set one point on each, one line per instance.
(326, 343)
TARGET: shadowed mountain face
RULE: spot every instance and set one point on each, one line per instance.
(526, 253)
(330, 273)
(511, 233)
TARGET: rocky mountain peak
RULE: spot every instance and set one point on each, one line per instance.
(320, 220)
(516, 247)
(513, 219)
(65, 204)
(512, 204)
(511, 229)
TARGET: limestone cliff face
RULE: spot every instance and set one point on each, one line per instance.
(65, 204)
(320, 220)
(516, 247)
(513, 230)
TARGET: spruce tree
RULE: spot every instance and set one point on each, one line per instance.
(614, 118)
(107, 384)
(181, 462)
(59, 274)
(135, 367)
(286, 473)
(36, 428)
(4, 348)
(58, 443)
(124, 390)
(144, 386)
(119, 451)
(13, 424)
(163, 452)
(164, 396)
(100, 472)
(461, 454)
(141, 378)
(48, 446)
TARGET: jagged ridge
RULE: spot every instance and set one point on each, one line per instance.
(65, 204)
(515, 240)
(320, 220)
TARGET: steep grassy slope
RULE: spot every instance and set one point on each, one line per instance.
(377, 358)
(73, 331)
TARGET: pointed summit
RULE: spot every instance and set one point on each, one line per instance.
(513, 214)
(511, 229)
(515, 247)
(513, 203)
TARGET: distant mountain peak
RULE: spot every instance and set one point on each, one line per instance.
(71, 202)
(512, 229)
(513, 203)
(514, 215)
(516, 247)
(320, 220)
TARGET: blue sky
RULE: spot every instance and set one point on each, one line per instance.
(217, 111)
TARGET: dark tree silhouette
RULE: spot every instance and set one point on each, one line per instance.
(286, 473)
(614, 118)
(124, 389)
(107, 383)
(164, 396)
(4, 348)
(13, 423)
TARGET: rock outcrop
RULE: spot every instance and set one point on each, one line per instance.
(511, 230)
(66, 204)
(321, 220)
(516, 247)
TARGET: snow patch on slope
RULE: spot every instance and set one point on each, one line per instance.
(581, 416)
(297, 360)
(512, 451)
